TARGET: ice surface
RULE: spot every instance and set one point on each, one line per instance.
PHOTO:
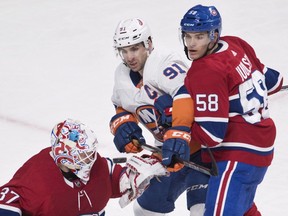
(57, 61)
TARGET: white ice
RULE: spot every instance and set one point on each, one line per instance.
(57, 61)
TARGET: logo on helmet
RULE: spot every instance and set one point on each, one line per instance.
(188, 24)
(140, 22)
(192, 12)
(214, 12)
(122, 30)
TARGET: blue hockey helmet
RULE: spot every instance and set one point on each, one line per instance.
(202, 18)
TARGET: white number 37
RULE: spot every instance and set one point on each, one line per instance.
(7, 192)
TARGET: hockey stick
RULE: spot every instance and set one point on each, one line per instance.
(190, 164)
(214, 166)
(119, 160)
(284, 87)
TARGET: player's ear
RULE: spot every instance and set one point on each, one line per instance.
(150, 44)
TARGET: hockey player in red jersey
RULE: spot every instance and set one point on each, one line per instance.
(71, 178)
(230, 88)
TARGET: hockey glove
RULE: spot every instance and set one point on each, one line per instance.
(136, 178)
(163, 105)
(176, 145)
(125, 129)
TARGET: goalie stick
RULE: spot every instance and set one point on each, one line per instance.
(212, 172)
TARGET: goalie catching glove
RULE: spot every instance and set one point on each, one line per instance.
(136, 178)
(176, 145)
(125, 129)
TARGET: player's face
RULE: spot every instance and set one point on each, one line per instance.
(134, 56)
(197, 44)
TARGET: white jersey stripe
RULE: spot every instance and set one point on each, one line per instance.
(110, 166)
(214, 138)
(11, 208)
(223, 188)
(211, 119)
(180, 96)
(243, 145)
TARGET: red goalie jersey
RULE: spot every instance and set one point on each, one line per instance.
(30, 192)
(231, 106)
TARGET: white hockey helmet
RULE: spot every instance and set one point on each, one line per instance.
(74, 146)
(131, 31)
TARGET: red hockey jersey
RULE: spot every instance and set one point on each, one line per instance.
(230, 89)
(39, 188)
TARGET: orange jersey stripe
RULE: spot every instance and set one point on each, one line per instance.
(183, 112)
(119, 110)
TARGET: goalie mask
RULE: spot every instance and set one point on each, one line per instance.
(74, 146)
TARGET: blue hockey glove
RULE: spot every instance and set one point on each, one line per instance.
(176, 145)
(128, 135)
(163, 105)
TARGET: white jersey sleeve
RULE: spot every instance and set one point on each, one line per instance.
(164, 73)
(125, 93)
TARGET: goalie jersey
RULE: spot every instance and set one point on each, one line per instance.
(231, 106)
(55, 195)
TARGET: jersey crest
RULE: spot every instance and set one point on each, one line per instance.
(147, 116)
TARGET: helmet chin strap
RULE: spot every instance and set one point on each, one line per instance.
(208, 51)
(186, 52)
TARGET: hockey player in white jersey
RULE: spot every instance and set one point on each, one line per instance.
(148, 85)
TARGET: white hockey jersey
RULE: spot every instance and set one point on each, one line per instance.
(163, 73)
